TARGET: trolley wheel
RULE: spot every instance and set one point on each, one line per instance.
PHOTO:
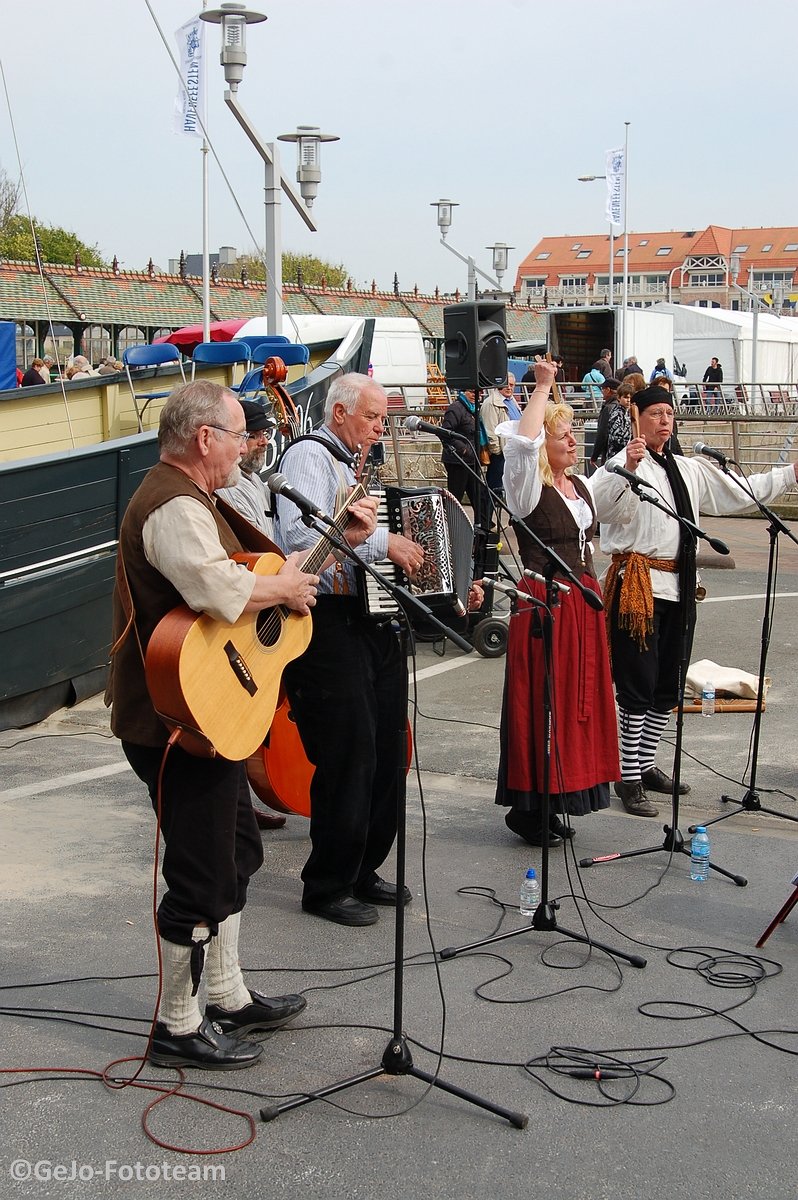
(490, 637)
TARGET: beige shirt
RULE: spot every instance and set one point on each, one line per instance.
(182, 542)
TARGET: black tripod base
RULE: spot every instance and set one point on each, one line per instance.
(749, 803)
(673, 843)
(397, 1060)
(545, 920)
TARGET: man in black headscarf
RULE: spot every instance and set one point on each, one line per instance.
(650, 588)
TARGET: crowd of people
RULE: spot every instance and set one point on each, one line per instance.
(48, 370)
(605, 680)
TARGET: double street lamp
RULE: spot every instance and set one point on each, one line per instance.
(233, 19)
(500, 250)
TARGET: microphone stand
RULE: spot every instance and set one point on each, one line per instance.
(397, 1058)
(545, 916)
(673, 842)
(750, 801)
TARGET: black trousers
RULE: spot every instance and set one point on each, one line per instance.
(649, 679)
(212, 846)
(346, 694)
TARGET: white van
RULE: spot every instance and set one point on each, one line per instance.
(398, 360)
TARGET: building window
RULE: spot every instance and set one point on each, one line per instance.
(644, 242)
(766, 247)
(131, 335)
(739, 250)
(663, 250)
(791, 246)
(26, 346)
(535, 285)
(771, 278)
(577, 246)
(95, 343)
(707, 279)
(584, 254)
(655, 280)
(619, 253)
(544, 254)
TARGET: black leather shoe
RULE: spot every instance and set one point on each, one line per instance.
(529, 829)
(635, 800)
(209, 1048)
(264, 1013)
(346, 910)
(559, 828)
(655, 780)
(267, 820)
(381, 892)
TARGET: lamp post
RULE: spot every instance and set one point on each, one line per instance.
(591, 179)
(233, 19)
(734, 271)
(500, 250)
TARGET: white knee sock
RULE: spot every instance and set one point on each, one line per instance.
(631, 727)
(179, 1010)
(653, 728)
(225, 982)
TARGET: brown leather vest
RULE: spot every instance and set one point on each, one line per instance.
(554, 525)
(133, 717)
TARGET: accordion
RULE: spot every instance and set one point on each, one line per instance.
(434, 520)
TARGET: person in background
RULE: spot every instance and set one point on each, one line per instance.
(498, 405)
(604, 363)
(593, 382)
(80, 368)
(713, 375)
(609, 394)
(543, 493)
(660, 371)
(650, 587)
(631, 367)
(34, 376)
(459, 459)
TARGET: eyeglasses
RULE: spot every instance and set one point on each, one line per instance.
(258, 435)
(241, 435)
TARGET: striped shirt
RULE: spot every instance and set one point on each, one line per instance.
(326, 482)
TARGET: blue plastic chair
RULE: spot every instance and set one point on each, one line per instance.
(149, 356)
(225, 353)
(289, 352)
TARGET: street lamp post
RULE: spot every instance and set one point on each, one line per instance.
(233, 19)
(500, 250)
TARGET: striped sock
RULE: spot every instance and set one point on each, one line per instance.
(653, 728)
(631, 727)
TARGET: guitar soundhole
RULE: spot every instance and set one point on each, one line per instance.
(269, 626)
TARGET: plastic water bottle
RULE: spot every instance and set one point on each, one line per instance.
(530, 894)
(371, 371)
(699, 855)
(708, 699)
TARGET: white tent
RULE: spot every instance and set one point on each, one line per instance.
(700, 334)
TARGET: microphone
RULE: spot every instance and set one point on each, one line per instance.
(508, 591)
(710, 452)
(415, 424)
(280, 486)
(617, 469)
(560, 587)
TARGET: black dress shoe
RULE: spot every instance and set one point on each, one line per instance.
(380, 892)
(209, 1048)
(634, 799)
(264, 1013)
(268, 820)
(346, 910)
(528, 828)
(655, 780)
(558, 827)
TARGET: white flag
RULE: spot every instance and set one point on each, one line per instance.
(189, 111)
(615, 171)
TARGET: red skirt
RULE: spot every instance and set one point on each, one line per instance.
(584, 735)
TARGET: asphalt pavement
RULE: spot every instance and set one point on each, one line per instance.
(714, 1118)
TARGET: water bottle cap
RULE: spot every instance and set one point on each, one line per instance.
(700, 828)
(531, 873)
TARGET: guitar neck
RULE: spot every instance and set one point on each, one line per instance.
(343, 519)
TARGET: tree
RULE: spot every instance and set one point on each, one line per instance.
(9, 199)
(56, 245)
(313, 269)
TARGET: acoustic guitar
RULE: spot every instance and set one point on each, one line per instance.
(219, 683)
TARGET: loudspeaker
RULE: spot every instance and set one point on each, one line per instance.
(475, 344)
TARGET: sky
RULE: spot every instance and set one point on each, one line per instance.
(498, 106)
